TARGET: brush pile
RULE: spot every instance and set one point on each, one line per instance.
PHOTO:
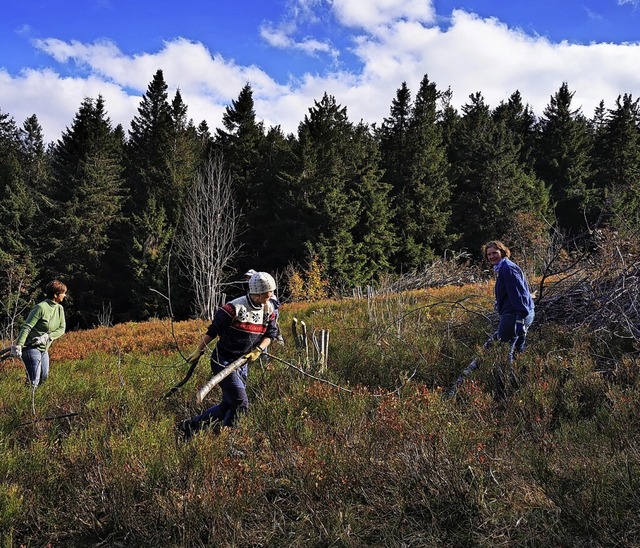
(597, 288)
(454, 269)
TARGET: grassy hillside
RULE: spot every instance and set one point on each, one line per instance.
(376, 458)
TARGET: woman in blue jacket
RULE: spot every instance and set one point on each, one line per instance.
(514, 302)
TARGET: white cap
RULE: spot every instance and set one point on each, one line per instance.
(261, 282)
(249, 273)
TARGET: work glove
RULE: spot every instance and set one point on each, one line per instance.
(194, 357)
(521, 329)
(42, 339)
(254, 354)
(16, 351)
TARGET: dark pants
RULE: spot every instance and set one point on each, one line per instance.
(505, 377)
(234, 395)
(507, 332)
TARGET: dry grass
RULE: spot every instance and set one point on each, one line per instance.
(389, 463)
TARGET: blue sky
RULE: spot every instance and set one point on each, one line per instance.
(54, 53)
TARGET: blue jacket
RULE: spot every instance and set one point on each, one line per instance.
(512, 290)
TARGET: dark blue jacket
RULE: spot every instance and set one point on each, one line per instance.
(512, 290)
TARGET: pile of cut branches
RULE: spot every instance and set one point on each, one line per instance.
(455, 268)
(596, 287)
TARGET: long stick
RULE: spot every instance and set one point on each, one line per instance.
(5, 353)
(177, 387)
(65, 416)
(308, 374)
(473, 365)
(213, 381)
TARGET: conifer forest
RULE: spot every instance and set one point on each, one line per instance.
(134, 219)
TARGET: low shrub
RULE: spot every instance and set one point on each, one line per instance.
(366, 453)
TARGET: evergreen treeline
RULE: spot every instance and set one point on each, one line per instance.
(101, 207)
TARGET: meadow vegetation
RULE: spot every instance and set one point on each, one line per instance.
(379, 458)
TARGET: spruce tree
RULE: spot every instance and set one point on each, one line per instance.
(16, 203)
(448, 119)
(521, 121)
(152, 192)
(149, 147)
(22, 176)
(36, 174)
(86, 204)
(563, 158)
(336, 179)
(275, 239)
(415, 163)
(619, 162)
(395, 161)
(491, 187)
(598, 183)
(185, 159)
(150, 260)
(374, 236)
(206, 142)
(241, 143)
(425, 202)
(393, 137)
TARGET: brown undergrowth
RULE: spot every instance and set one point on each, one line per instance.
(93, 459)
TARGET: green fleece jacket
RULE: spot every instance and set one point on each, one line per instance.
(45, 317)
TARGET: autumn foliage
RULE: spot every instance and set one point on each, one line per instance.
(367, 454)
(162, 337)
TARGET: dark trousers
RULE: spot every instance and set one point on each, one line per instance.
(234, 395)
(505, 376)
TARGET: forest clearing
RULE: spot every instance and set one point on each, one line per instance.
(362, 452)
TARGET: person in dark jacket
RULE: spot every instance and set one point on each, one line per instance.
(276, 305)
(514, 305)
(244, 327)
(44, 324)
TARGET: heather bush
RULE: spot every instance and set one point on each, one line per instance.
(376, 458)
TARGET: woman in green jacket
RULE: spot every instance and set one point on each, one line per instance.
(44, 324)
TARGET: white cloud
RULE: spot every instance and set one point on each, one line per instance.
(277, 38)
(304, 10)
(280, 38)
(207, 82)
(370, 14)
(484, 55)
(398, 42)
(283, 34)
(592, 14)
(55, 100)
(24, 30)
(190, 62)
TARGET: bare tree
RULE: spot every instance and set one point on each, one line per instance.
(207, 241)
(15, 281)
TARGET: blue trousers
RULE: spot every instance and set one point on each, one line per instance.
(36, 364)
(505, 379)
(234, 395)
(507, 332)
